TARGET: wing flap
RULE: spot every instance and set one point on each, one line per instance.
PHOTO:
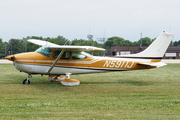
(78, 48)
(157, 64)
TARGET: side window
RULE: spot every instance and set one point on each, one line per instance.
(56, 53)
(66, 55)
(78, 56)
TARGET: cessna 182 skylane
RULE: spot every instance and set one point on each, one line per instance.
(55, 60)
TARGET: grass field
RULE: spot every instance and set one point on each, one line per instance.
(147, 94)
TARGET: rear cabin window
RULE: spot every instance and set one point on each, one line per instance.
(88, 54)
(45, 51)
(66, 55)
(78, 56)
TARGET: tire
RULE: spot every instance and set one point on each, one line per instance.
(25, 82)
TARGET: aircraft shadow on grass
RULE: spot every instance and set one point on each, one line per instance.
(128, 82)
(131, 82)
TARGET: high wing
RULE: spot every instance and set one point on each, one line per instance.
(66, 47)
(157, 64)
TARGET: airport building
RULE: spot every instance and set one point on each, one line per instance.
(173, 52)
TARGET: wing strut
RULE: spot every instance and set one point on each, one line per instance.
(59, 56)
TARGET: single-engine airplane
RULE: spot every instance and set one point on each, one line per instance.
(57, 60)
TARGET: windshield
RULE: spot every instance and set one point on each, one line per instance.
(45, 51)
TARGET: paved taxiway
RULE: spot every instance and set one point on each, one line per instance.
(5, 61)
(164, 60)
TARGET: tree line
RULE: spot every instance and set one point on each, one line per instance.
(15, 46)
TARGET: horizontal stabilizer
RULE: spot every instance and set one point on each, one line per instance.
(157, 64)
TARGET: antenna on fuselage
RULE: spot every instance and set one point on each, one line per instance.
(141, 40)
(102, 41)
(70, 42)
(66, 42)
(90, 38)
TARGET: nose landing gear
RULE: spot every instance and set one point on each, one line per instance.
(27, 81)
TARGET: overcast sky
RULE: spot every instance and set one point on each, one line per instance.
(73, 18)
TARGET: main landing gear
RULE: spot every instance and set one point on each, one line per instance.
(27, 81)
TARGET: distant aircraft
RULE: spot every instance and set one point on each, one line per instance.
(57, 60)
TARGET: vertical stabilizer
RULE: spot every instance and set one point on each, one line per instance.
(157, 49)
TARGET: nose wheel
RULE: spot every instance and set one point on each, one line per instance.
(27, 81)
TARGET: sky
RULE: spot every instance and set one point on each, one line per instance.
(75, 19)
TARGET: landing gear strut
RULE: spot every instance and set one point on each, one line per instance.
(27, 81)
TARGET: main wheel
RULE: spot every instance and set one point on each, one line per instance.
(26, 82)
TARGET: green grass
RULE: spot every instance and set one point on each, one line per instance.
(147, 94)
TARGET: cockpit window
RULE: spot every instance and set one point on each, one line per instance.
(66, 55)
(45, 51)
(78, 56)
